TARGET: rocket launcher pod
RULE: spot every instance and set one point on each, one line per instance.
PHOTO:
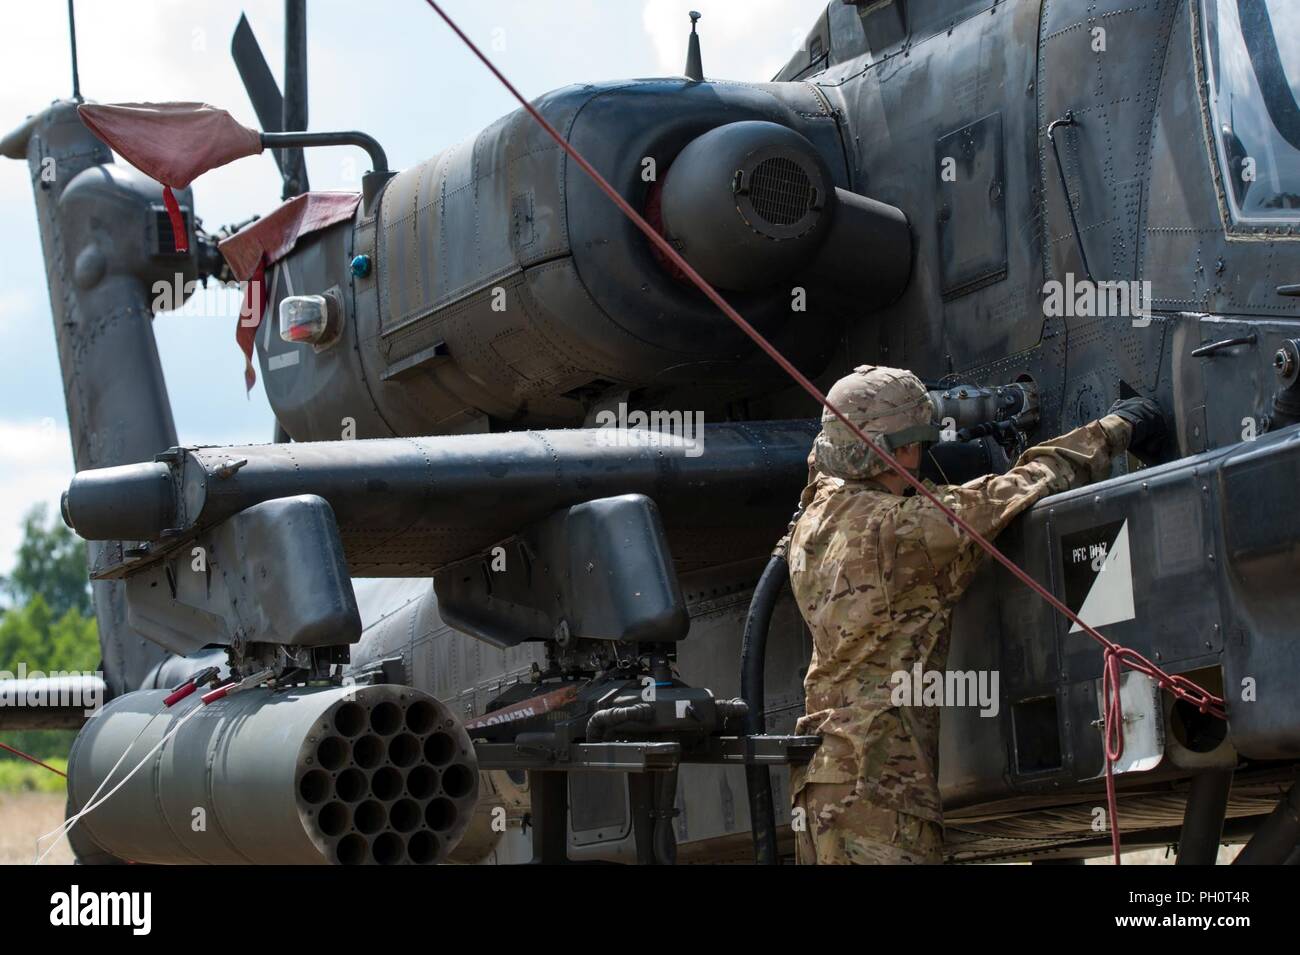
(305, 775)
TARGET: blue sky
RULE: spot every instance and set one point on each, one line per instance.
(389, 67)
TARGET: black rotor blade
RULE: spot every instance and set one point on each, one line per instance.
(263, 92)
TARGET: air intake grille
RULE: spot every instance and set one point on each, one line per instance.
(165, 238)
(779, 191)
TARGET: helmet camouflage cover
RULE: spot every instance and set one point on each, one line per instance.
(889, 404)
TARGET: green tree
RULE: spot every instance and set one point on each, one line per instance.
(50, 628)
(51, 562)
(33, 636)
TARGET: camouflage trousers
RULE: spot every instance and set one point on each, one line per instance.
(843, 829)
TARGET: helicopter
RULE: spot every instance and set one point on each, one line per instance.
(502, 588)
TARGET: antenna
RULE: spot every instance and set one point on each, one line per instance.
(72, 33)
(694, 65)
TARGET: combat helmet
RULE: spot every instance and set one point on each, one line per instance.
(889, 404)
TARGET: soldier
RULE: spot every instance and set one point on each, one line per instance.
(876, 572)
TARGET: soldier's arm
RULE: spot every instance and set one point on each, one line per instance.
(1080, 457)
(991, 502)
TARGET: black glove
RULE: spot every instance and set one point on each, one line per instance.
(1148, 421)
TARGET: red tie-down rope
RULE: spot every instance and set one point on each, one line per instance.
(1114, 655)
(31, 759)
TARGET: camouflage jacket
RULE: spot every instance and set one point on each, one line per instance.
(876, 576)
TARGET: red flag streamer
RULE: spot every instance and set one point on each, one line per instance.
(180, 236)
(250, 319)
(1181, 687)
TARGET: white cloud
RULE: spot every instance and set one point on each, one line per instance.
(738, 41)
(35, 467)
(168, 50)
(16, 304)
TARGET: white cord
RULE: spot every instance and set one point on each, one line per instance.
(66, 825)
(95, 804)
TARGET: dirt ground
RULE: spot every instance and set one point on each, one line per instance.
(24, 817)
(1162, 857)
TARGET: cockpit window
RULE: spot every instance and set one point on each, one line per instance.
(1253, 80)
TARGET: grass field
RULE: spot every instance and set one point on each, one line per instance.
(23, 817)
(17, 776)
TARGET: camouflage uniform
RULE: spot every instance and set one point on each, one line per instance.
(876, 576)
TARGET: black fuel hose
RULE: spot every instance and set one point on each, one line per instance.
(753, 660)
(603, 720)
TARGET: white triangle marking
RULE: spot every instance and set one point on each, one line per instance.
(1110, 599)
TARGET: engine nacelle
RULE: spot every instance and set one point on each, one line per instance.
(495, 285)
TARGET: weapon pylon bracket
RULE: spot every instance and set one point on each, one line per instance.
(646, 763)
